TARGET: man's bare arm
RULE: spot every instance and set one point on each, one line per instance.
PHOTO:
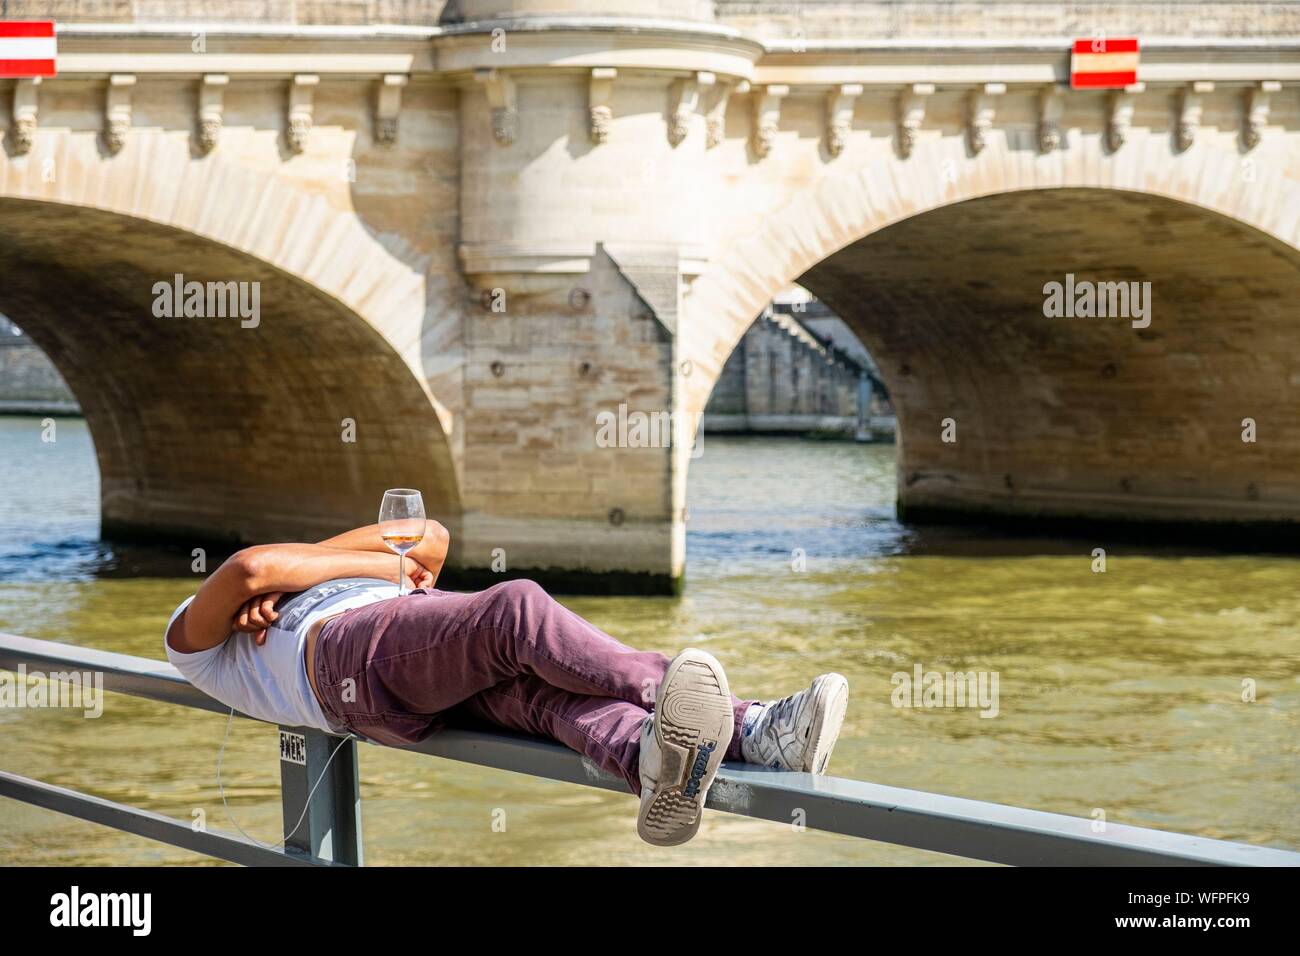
(258, 614)
(430, 553)
(265, 569)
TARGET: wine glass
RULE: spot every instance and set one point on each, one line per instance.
(401, 525)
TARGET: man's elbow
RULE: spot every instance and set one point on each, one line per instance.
(250, 569)
(433, 549)
(439, 538)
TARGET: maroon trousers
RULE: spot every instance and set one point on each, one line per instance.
(510, 656)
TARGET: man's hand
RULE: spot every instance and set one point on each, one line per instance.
(417, 575)
(257, 614)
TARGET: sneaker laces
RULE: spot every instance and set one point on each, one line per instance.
(780, 711)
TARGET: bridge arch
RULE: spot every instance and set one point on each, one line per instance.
(215, 427)
(943, 278)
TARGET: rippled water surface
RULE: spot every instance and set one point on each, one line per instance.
(1119, 692)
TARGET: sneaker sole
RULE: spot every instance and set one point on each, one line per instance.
(693, 724)
(832, 702)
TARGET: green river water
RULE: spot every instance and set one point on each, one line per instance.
(1118, 691)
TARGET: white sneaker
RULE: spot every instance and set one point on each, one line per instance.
(798, 732)
(682, 745)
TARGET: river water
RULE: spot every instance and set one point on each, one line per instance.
(1119, 693)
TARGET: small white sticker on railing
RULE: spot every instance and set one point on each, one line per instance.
(293, 747)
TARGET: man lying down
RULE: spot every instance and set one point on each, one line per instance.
(345, 655)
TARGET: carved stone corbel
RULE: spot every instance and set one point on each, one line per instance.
(1257, 106)
(767, 114)
(600, 96)
(302, 104)
(212, 91)
(716, 118)
(500, 90)
(117, 111)
(388, 107)
(1189, 114)
(1120, 116)
(981, 112)
(25, 114)
(839, 116)
(911, 114)
(683, 99)
(1051, 103)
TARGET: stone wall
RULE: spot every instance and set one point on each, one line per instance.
(550, 362)
(29, 382)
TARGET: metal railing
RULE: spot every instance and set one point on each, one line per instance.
(331, 831)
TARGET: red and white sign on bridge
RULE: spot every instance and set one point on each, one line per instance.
(1104, 63)
(27, 48)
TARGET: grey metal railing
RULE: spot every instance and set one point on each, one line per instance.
(331, 832)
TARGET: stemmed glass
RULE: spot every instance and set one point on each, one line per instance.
(401, 525)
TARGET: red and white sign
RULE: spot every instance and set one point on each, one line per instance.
(27, 48)
(1104, 64)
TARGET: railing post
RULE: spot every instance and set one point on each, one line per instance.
(331, 829)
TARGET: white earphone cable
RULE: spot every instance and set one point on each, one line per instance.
(305, 807)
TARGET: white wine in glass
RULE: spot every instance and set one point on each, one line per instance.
(401, 525)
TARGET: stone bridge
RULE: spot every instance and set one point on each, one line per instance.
(478, 231)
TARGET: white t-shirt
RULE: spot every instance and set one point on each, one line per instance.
(270, 682)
